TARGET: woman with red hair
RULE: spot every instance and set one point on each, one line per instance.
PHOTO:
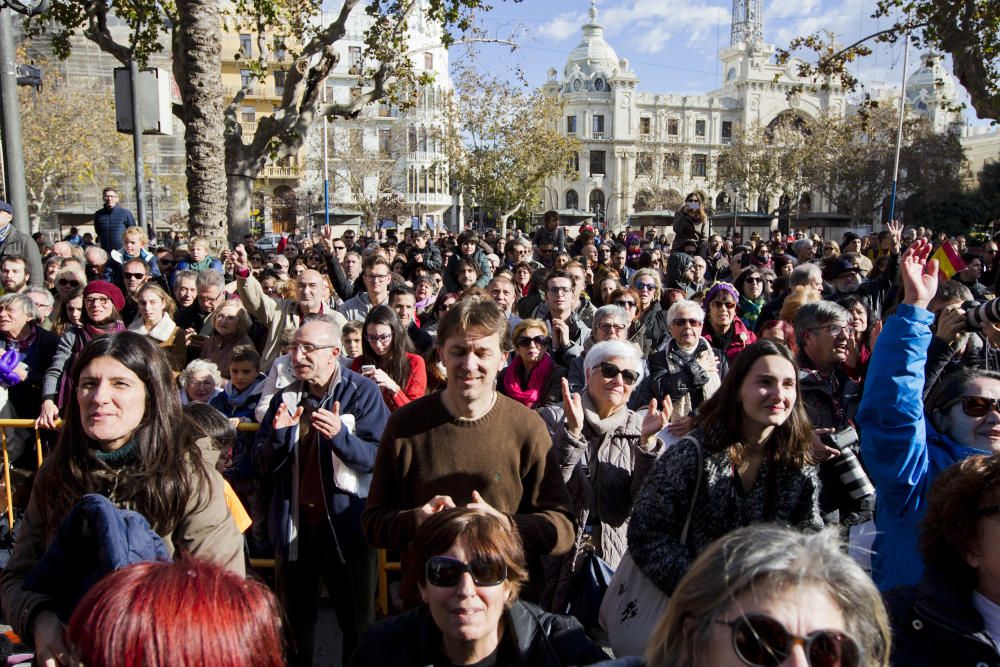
(130, 619)
(781, 332)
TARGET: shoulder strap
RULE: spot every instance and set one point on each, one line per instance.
(697, 487)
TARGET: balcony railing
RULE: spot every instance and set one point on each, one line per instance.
(272, 171)
(597, 135)
(249, 127)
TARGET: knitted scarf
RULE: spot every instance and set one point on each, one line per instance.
(750, 310)
(238, 399)
(539, 375)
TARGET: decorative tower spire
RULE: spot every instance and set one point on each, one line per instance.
(747, 26)
(593, 11)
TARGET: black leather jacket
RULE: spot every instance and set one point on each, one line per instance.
(532, 637)
(934, 623)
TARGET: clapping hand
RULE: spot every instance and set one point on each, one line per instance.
(920, 274)
(327, 422)
(283, 418)
(656, 420)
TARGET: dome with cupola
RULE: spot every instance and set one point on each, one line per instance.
(931, 85)
(593, 62)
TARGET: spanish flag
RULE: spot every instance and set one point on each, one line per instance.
(949, 261)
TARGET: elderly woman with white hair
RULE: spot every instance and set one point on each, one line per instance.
(200, 381)
(605, 450)
(688, 368)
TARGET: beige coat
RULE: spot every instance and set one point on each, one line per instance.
(206, 530)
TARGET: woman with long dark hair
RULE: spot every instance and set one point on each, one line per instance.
(747, 459)
(755, 292)
(102, 306)
(388, 359)
(123, 438)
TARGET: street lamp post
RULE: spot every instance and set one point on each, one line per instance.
(152, 208)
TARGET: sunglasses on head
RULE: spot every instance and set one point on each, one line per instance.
(525, 341)
(446, 572)
(977, 406)
(609, 371)
(762, 641)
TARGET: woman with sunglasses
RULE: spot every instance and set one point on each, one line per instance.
(388, 360)
(469, 568)
(532, 378)
(69, 279)
(768, 596)
(102, 303)
(605, 451)
(755, 292)
(746, 461)
(761, 257)
(723, 329)
(906, 442)
(651, 321)
(950, 617)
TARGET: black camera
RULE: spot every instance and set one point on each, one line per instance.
(847, 466)
(977, 313)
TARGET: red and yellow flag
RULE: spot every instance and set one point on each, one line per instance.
(949, 261)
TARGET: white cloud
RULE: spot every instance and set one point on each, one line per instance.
(559, 29)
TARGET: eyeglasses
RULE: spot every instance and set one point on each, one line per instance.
(646, 287)
(447, 572)
(525, 341)
(96, 300)
(608, 327)
(609, 371)
(307, 348)
(976, 406)
(837, 329)
(201, 383)
(754, 280)
(557, 291)
(625, 304)
(377, 276)
(172, 262)
(731, 305)
(381, 339)
(340, 247)
(65, 282)
(761, 641)
(691, 322)
(134, 276)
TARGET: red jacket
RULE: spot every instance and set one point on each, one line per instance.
(416, 385)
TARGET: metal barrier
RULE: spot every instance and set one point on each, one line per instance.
(16, 423)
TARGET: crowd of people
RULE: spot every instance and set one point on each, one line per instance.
(717, 421)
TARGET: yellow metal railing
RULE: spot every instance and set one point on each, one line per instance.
(8, 491)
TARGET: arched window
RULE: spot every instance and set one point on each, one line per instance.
(805, 203)
(722, 202)
(572, 199)
(596, 201)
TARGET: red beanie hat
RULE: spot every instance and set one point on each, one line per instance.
(107, 289)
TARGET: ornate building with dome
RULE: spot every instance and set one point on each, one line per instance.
(643, 150)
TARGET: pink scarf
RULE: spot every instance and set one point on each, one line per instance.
(539, 375)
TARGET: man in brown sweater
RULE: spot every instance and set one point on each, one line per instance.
(469, 445)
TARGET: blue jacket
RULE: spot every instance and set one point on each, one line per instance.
(901, 450)
(95, 539)
(276, 455)
(110, 224)
(233, 403)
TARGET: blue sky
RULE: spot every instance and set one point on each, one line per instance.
(673, 44)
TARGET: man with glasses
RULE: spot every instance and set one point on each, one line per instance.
(111, 220)
(568, 331)
(316, 446)
(211, 293)
(281, 316)
(469, 445)
(135, 274)
(823, 331)
(377, 276)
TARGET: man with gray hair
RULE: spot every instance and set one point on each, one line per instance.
(44, 302)
(804, 250)
(315, 449)
(824, 331)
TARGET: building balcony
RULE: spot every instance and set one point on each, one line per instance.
(597, 135)
(673, 138)
(233, 51)
(257, 90)
(275, 171)
(700, 140)
(428, 198)
(249, 127)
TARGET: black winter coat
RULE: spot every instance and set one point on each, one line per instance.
(934, 623)
(532, 637)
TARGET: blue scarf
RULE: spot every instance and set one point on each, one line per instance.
(236, 398)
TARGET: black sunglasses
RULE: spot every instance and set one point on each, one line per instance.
(610, 371)
(69, 283)
(447, 572)
(134, 276)
(625, 304)
(525, 341)
(761, 641)
(976, 406)
(169, 262)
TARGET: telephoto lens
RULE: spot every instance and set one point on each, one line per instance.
(976, 314)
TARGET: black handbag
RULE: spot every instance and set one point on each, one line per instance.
(587, 588)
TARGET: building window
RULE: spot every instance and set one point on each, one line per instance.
(597, 163)
(673, 127)
(246, 46)
(246, 78)
(597, 203)
(572, 199)
(279, 82)
(598, 126)
(644, 164)
(354, 60)
(428, 61)
(248, 114)
(411, 139)
(645, 126)
(672, 164)
(699, 128)
(280, 50)
(727, 130)
(699, 165)
(355, 140)
(574, 163)
(384, 140)
(570, 124)
(422, 147)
